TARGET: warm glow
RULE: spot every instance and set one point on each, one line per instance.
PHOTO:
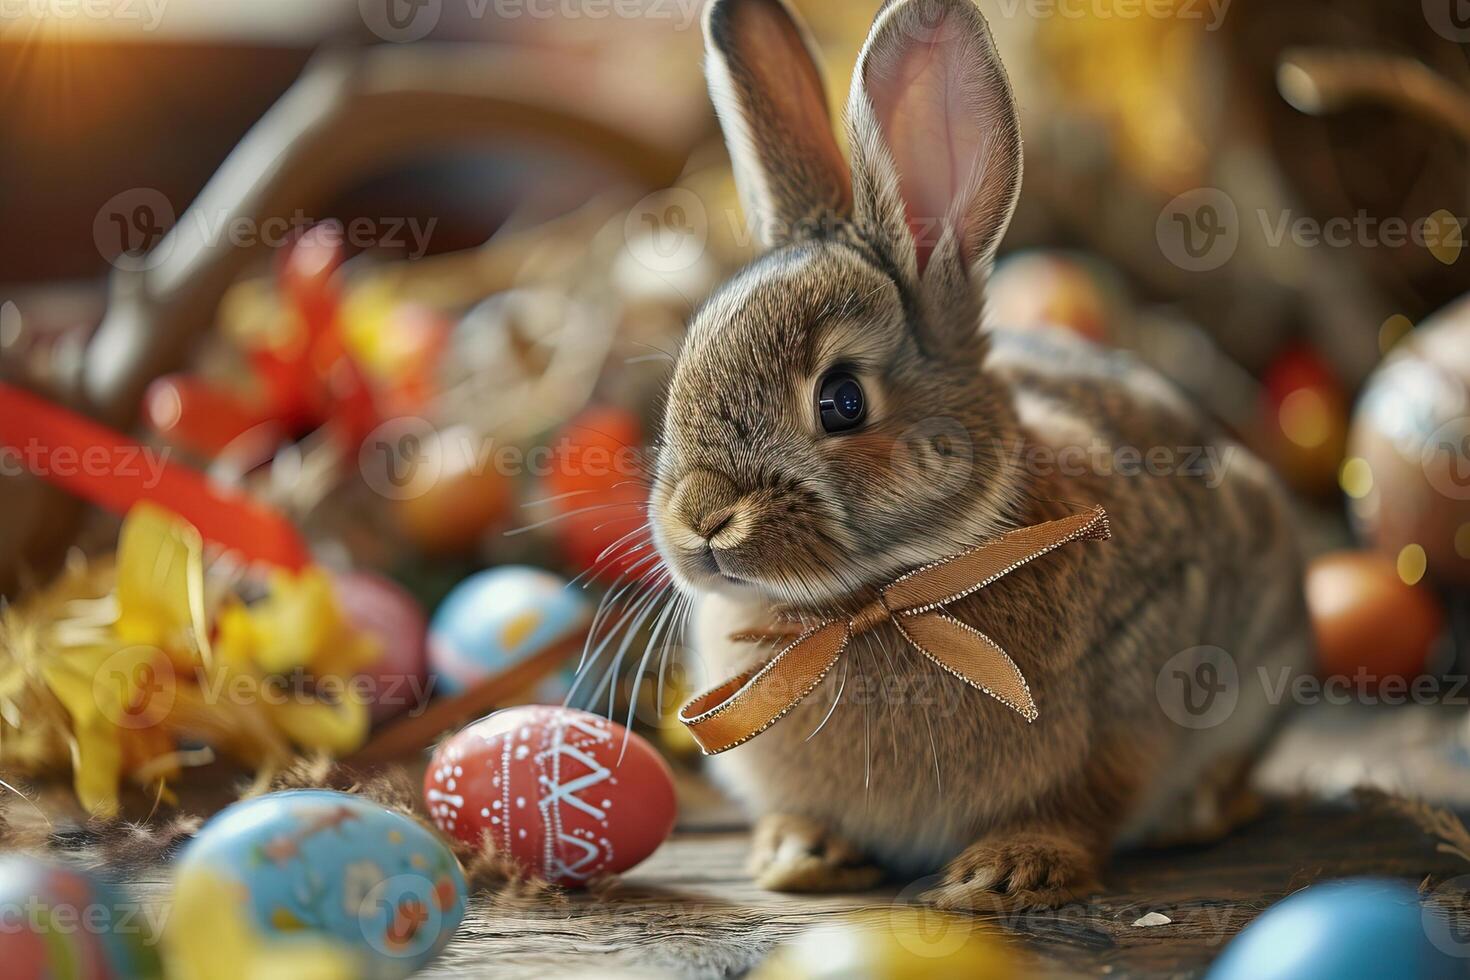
(1305, 418)
(1356, 478)
(1412, 563)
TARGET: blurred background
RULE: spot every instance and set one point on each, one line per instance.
(319, 249)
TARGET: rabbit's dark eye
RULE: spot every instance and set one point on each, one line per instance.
(840, 403)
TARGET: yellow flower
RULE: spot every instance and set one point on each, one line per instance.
(110, 669)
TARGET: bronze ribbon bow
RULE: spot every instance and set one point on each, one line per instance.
(749, 703)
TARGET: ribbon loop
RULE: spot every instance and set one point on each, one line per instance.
(971, 656)
(748, 704)
(952, 579)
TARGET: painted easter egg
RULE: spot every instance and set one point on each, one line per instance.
(900, 943)
(496, 618)
(62, 923)
(1407, 474)
(568, 795)
(1368, 620)
(1353, 929)
(384, 610)
(317, 864)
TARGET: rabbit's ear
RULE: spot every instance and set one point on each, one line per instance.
(936, 144)
(772, 104)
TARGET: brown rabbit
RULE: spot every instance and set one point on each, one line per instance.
(837, 416)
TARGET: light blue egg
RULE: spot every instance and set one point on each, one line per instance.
(496, 618)
(339, 865)
(1354, 929)
(59, 922)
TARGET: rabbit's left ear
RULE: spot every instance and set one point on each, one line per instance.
(768, 91)
(936, 148)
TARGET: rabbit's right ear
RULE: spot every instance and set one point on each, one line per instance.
(936, 147)
(772, 104)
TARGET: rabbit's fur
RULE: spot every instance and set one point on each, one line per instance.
(761, 514)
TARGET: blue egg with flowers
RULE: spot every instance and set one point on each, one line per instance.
(327, 869)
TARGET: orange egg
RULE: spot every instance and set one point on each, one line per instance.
(1035, 289)
(1367, 617)
(462, 495)
(598, 481)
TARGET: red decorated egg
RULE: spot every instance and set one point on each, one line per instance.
(555, 789)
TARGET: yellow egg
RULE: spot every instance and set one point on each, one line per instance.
(898, 943)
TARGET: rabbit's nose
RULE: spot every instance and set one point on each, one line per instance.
(714, 523)
(710, 506)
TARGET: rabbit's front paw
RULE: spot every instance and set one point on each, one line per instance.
(1023, 870)
(794, 854)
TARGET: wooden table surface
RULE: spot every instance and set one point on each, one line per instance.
(691, 912)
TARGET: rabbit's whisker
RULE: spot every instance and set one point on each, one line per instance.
(571, 513)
